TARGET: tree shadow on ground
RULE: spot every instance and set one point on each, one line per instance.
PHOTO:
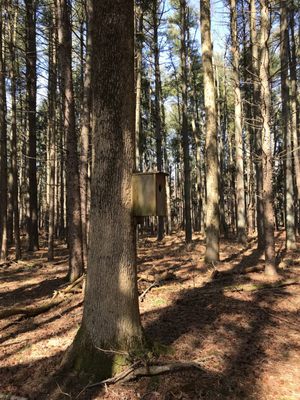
(32, 291)
(240, 324)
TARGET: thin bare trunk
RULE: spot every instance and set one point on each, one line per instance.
(264, 74)
(257, 132)
(14, 150)
(185, 127)
(84, 141)
(52, 132)
(139, 55)
(286, 129)
(72, 172)
(239, 162)
(31, 81)
(3, 150)
(294, 109)
(157, 105)
(211, 144)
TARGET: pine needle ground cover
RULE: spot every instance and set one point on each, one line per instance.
(241, 328)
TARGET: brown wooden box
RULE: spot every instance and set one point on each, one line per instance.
(149, 194)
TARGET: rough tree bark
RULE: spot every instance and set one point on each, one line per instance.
(52, 131)
(72, 171)
(3, 150)
(157, 106)
(286, 129)
(294, 107)
(264, 74)
(184, 116)
(85, 140)
(211, 146)
(14, 151)
(31, 82)
(111, 318)
(239, 161)
(139, 17)
(255, 113)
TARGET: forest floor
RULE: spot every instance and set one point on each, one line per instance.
(242, 328)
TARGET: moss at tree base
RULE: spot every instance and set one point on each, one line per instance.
(90, 362)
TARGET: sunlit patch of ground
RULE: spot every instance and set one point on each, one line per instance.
(246, 341)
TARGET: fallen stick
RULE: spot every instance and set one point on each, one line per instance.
(57, 298)
(142, 296)
(263, 286)
(249, 270)
(32, 311)
(61, 261)
(4, 396)
(69, 288)
(5, 263)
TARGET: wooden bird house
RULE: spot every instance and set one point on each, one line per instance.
(149, 194)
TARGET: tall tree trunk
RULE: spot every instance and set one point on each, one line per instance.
(211, 146)
(286, 129)
(14, 150)
(294, 109)
(185, 127)
(197, 140)
(72, 172)
(264, 74)
(139, 58)
(240, 188)
(62, 223)
(223, 228)
(3, 149)
(85, 140)
(52, 131)
(157, 105)
(257, 131)
(111, 315)
(31, 81)
(249, 132)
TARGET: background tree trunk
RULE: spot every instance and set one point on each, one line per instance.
(139, 58)
(157, 105)
(31, 78)
(255, 121)
(72, 172)
(185, 127)
(3, 149)
(14, 149)
(294, 110)
(211, 147)
(52, 130)
(286, 128)
(239, 162)
(264, 74)
(85, 140)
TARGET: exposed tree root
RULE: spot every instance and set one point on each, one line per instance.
(136, 371)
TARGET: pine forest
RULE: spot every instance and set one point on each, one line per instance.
(150, 199)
